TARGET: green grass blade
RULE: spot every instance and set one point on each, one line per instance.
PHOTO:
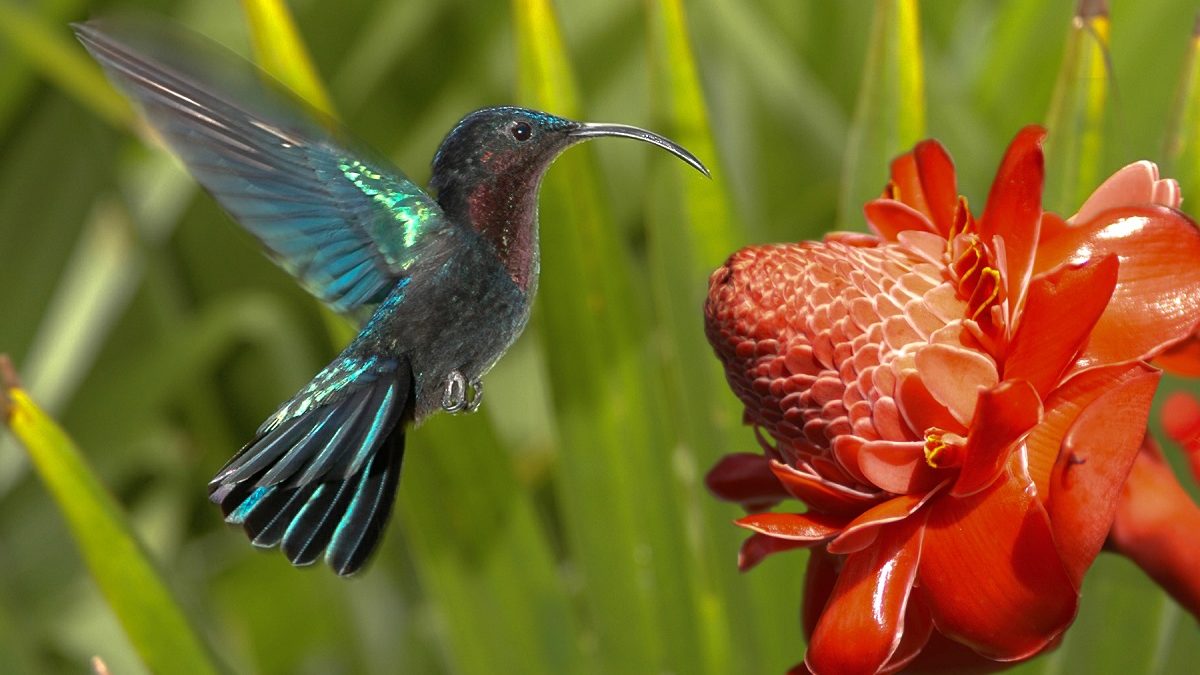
(481, 551)
(780, 79)
(129, 580)
(681, 103)
(17, 78)
(889, 116)
(617, 481)
(544, 71)
(1183, 133)
(578, 306)
(55, 55)
(692, 230)
(1076, 119)
(280, 51)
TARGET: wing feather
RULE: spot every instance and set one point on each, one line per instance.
(346, 224)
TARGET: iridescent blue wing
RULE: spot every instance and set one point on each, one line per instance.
(347, 226)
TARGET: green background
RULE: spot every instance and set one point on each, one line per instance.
(565, 528)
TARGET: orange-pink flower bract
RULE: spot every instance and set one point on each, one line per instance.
(957, 401)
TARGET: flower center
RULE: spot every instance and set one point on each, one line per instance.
(977, 280)
(943, 449)
(987, 291)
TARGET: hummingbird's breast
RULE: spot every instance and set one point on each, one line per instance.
(459, 309)
(504, 213)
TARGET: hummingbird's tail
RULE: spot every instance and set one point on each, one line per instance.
(321, 475)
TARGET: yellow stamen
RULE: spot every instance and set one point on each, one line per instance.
(994, 274)
(934, 446)
(972, 248)
(963, 213)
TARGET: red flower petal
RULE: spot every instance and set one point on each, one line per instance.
(1156, 527)
(821, 494)
(924, 180)
(746, 478)
(906, 183)
(1134, 184)
(1064, 304)
(1003, 415)
(1181, 359)
(1062, 408)
(863, 530)
(918, 628)
(991, 574)
(920, 409)
(925, 245)
(888, 218)
(936, 171)
(1181, 421)
(758, 546)
(1014, 209)
(943, 655)
(897, 467)
(810, 527)
(820, 575)
(955, 376)
(1157, 299)
(863, 621)
(1052, 226)
(1097, 453)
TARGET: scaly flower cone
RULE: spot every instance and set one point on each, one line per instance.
(956, 400)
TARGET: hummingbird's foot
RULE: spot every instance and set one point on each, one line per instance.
(454, 398)
(458, 397)
(477, 388)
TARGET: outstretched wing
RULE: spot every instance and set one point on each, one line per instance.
(346, 226)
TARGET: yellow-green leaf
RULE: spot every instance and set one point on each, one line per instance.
(683, 106)
(280, 51)
(129, 580)
(889, 116)
(622, 510)
(545, 71)
(690, 231)
(1076, 119)
(1183, 134)
(57, 57)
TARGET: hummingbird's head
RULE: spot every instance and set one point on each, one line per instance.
(487, 171)
(516, 146)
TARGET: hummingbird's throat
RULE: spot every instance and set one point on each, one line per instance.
(504, 212)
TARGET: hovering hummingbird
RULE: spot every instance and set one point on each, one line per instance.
(445, 284)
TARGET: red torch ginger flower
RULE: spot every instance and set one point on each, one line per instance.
(1156, 520)
(956, 400)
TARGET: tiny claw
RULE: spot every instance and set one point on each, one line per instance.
(477, 398)
(454, 398)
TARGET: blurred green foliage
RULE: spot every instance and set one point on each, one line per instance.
(565, 528)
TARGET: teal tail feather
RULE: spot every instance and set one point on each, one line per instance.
(321, 476)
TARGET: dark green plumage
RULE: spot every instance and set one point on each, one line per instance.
(447, 284)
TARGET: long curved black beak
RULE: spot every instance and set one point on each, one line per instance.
(585, 131)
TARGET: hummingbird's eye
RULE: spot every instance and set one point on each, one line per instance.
(521, 131)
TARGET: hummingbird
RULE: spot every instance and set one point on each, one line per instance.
(441, 282)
